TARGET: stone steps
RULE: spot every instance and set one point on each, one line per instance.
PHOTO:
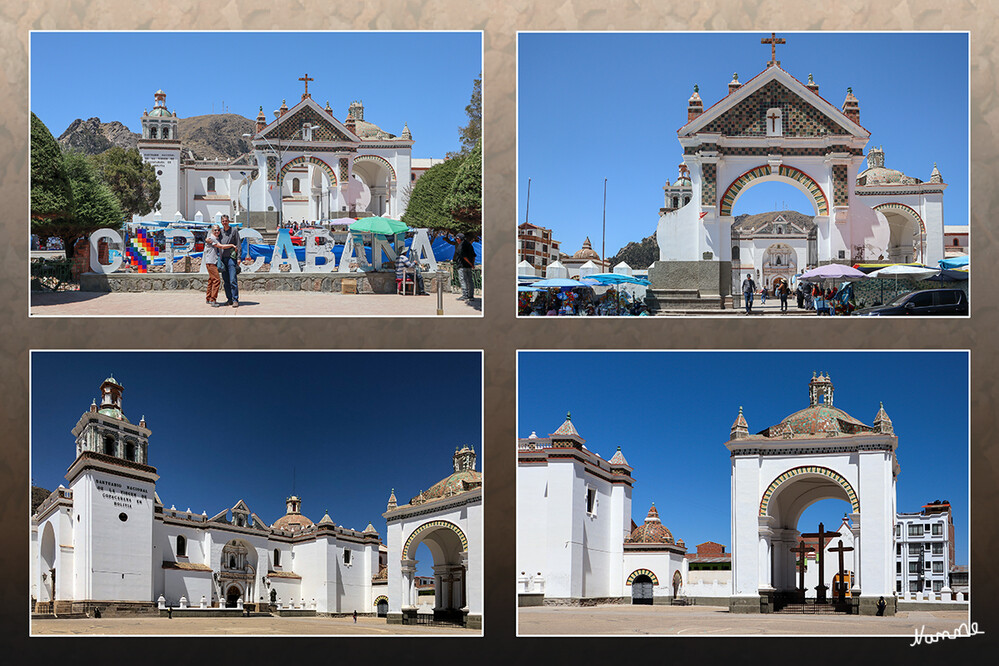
(808, 609)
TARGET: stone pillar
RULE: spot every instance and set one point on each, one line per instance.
(408, 568)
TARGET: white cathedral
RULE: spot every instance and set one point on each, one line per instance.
(106, 542)
(307, 165)
(774, 127)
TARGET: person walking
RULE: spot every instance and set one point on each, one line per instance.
(783, 292)
(229, 261)
(355, 616)
(801, 296)
(464, 259)
(763, 295)
(748, 289)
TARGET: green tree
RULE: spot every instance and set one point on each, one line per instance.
(132, 180)
(426, 209)
(470, 134)
(464, 201)
(51, 194)
(94, 205)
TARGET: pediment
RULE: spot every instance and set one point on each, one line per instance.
(325, 127)
(805, 114)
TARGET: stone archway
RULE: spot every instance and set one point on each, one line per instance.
(641, 590)
(232, 595)
(448, 547)
(907, 233)
(377, 181)
(47, 588)
(765, 173)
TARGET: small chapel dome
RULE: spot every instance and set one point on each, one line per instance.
(293, 520)
(464, 478)
(877, 173)
(651, 531)
(586, 252)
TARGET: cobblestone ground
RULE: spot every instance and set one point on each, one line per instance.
(253, 304)
(710, 620)
(226, 626)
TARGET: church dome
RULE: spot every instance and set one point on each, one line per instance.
(878, 174)
(366, 130)
(587, 251)
(464, 478)
(293, 520)
(651, 531)
(820, 418)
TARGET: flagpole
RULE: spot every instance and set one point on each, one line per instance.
(603, 239)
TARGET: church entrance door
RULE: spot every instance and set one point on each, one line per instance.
(232, 595)
(382, 608)
(641, 591)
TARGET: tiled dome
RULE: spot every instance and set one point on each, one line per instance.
(652, 531)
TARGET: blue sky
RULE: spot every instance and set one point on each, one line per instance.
(330, 426)
(670, 412)
(603, 105)
(423, 78)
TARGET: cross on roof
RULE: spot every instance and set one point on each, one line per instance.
(773, 41)
(306, 79)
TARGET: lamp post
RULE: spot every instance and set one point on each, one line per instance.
(603, 240)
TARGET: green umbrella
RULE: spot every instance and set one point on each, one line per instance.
(379, 225)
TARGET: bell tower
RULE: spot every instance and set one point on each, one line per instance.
(160, 146)
(105, 430)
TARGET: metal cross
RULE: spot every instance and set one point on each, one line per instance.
(306, 79)
(773, 121)
(773, 42)
(821, 535)
(802, 549)
(840, 549)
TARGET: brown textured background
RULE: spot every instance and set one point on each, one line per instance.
(499, 332)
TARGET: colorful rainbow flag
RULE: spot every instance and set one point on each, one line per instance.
(140, 250)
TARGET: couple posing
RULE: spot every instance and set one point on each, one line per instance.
(221, 256)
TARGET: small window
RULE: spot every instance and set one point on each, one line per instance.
(937, 585)
(591, 500)
(152, 133)
(686, 200)
(938, 549)
(412, 177)
(676, 202)
(938, 567)
(898, 567)
(914, 586)
(842, 254)
(955, 242)
(937, 529)
(166, 132)
(296, 185)
(346, 555)
(181, 546)
(232, 561)
(735, 253)
(123, 516)
(211, 184)
(915, 530)
(913, 567)
(109, 445)
(130, 451)
(277, 557)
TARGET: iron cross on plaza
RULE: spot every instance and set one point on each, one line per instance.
(841, 588)
(801, 550)
(773, 41)
(821, 535)
(306, 79)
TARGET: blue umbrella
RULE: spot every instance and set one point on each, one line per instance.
(954, 262)
(617, 278)
(528, 288)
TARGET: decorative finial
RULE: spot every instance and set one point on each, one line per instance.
(696, 89)
(735, 77)
(849, 90)
(568, 416)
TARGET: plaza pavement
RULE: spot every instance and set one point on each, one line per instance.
(717, 621)
(236, 626)
(189, 303)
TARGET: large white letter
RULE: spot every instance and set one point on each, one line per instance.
(250, 235)
(112, 236)
(314, 250)
(282, 246)
(421, 248)
(172, 251)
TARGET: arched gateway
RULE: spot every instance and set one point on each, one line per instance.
(776, 128)
(817, 453)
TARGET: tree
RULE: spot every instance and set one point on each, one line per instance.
(426, 203)
(94, 205)
(51, 194)
(470, 134)
(464, 201)
(132, 180)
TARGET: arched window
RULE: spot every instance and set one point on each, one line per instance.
(166, 132)
(955, 242)
(296, 185)
(211, 184)
(676, 202)
(181, 546)
(130, 451)
(735, 253)
(346, 555)
(152, 132)
(277, 557)
(109, 445)
(686, 200)
(232, 561)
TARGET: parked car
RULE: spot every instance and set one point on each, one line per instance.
(926, 302)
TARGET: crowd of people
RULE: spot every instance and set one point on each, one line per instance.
(580, 302)
(829, 300)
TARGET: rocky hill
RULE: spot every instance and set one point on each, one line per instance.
(639, 255)
(214, 136)
(93, 137)
(38, 495)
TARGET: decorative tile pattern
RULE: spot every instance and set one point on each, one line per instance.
(841, 194)
(748, 118)
(642, 572)
(271, 168)
(740, 183)
(306, 159)
(344, 169)
(821, 202)
(728, 200)
(377, 159)
(709, 184)
(904, 210)
(322, 129)
(811, 470)
(764, 151)
(380, 599)
(432, 525)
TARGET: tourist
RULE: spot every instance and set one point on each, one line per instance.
(801, 296)
(229, 261)
(402, 263)
(783, 292)
(464, 259)
(748, 289)
(763, 295)
(210, 258)
(882, 604)
(355, 616)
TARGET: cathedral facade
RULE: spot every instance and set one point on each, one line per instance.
(105, 539)
(307, 165)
